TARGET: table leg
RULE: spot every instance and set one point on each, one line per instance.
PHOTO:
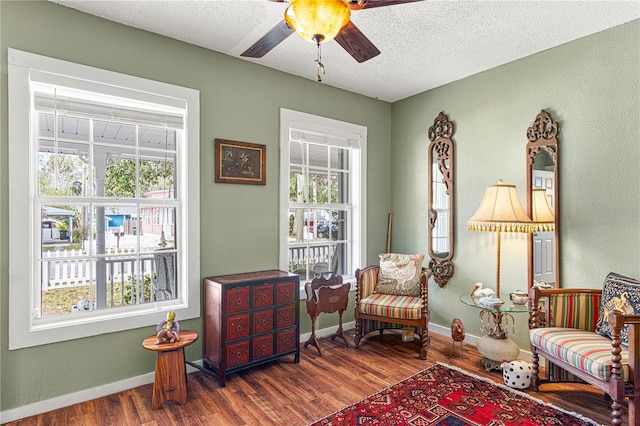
(340, 332)
(171, 380)
(313, 341)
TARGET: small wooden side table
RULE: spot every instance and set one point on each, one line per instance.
(171, 371)
(326, 296)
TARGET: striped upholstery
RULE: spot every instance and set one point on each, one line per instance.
(369, 280)
(584, 350)
(392, 306)
(575, 310)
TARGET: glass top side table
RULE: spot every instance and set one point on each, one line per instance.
(496, 345)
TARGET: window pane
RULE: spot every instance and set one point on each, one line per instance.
(318, 184)
(157, 138)
(121, 228)
(296, 185)
(120, 172)
(339, 158)
(157, 227)
(69, 128)
(297, 155)
(73, 128)
(65, 264)
(318, 155)
(114, 133)
(63, 172)
(339, 256)
(157, 174)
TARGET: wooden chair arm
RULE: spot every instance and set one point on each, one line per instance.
(618, 319)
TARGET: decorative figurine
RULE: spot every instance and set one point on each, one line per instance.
(490, 302)
(168, 329)
(458, 335)
(516, 374)
(519, 297)
(479, 292)
(541, 284)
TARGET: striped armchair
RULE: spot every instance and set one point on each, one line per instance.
(563, 326)
(377, 311)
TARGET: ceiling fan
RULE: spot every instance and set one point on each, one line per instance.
(343, 30)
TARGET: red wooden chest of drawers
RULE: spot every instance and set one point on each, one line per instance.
(249, 319)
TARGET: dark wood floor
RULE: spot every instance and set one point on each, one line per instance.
(284, 393)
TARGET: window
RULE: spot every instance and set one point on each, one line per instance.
(99, 153)
(322, 178)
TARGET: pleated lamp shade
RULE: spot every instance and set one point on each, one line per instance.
(543, 217)
(500, 211)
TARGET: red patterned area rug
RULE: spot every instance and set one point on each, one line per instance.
(443, 395)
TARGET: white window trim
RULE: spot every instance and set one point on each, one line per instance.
(290, 118)
(22, 330)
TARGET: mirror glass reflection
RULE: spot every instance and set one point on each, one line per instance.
(544, 259)
(440, 207)
(441, 199)
(542, 174)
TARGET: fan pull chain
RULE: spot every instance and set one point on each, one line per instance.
(319, 64)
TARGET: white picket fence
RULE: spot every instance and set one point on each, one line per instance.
(71, 268)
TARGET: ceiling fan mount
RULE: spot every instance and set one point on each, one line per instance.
(348, 36)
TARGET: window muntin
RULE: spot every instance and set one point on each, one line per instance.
(105, 148)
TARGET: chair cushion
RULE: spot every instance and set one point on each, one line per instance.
(618, 293)
(584, 350)
(400, 274)
(392, 306)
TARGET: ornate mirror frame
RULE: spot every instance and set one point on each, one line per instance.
(542, 154)
(441, 199)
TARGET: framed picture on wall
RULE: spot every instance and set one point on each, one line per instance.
(240, 162)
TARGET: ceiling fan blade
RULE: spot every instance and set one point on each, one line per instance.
(377, 3)
(356, 43)
(271, 39)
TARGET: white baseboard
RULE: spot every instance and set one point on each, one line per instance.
(111, 388)
(324, 332)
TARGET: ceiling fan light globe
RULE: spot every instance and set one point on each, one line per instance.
(314, 18)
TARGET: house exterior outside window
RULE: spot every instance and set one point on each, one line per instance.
(108, 148)
(322, 178)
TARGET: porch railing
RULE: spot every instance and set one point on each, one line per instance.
(303, 257)
(71, 268)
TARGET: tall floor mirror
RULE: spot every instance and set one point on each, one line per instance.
(441, 199)
(543, 200)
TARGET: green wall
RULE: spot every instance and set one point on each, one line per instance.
(239, 223)
(591, 88)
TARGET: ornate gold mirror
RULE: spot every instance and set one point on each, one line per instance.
(543, 198)
(441, 199)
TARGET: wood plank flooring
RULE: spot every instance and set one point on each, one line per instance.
(284, 393)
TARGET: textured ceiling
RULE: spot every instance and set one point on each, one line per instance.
(424, 45)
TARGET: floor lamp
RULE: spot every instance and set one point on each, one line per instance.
(500, 211)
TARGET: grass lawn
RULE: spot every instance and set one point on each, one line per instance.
(60, 300)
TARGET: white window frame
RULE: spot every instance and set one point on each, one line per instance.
(24, 328)
(290, 119)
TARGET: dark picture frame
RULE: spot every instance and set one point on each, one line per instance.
(240, 162)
